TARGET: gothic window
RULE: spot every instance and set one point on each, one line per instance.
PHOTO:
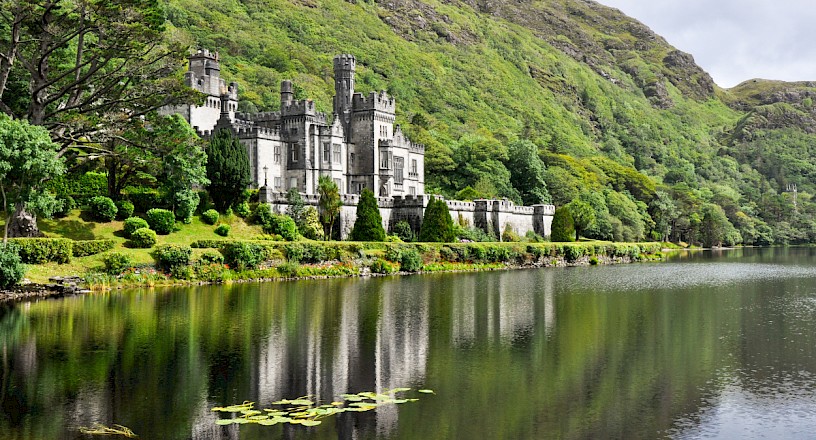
(295, 152)
(326, 152)
(278, 182)
(277, 154)
(385, 162)
(412, 190)
(293, 182)
(337, 153)
(351, 159)
(398, 164)
(414, 167)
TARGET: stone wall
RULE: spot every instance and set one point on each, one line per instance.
(488, 215)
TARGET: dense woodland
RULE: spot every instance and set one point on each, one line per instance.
(561, 101)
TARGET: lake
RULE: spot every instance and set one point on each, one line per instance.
(706, 345)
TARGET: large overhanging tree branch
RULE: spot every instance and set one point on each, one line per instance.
(91, 66)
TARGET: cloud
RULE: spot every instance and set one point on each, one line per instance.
(735, 40)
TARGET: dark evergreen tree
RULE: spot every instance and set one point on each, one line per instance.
(227, 170)
(437, 224)
(563, 227)
(368, 226)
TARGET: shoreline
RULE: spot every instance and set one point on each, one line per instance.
(74, 285)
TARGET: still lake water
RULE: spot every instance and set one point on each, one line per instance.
(707, 345)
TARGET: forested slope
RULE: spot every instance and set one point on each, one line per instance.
(510, 97)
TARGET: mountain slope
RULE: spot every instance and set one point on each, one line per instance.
(613, 108)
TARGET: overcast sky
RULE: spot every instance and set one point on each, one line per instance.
(736, 40)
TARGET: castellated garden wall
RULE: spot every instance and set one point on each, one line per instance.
(487, 215)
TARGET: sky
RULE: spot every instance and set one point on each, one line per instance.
(736, 40)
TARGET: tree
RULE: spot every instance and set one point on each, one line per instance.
(295, 207)
(582, 214)
(311, 227)
(715, 229)
(527, 172)
(329, 203)
(437, 224)
(184, 162)
(563, 229)
(27, 159)
(227, 169)
(85, 69)
(368, 226)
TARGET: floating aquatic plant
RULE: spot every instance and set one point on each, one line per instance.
(100, 429)
(308, 412)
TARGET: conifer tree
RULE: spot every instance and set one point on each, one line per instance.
(437, 224)
(368, 226)
(563, 228)
(227, 169)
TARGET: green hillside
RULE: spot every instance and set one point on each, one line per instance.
(623, 121)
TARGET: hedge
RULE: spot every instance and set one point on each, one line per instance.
(44, 250)
(134, 223)
(84, 248)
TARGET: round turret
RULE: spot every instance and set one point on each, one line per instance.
(287, 95)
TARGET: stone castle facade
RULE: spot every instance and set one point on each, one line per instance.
(359, 146)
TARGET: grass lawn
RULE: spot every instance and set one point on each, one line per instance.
(75, 227)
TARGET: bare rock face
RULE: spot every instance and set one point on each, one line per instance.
(24, 224)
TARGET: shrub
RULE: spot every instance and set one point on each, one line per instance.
(83, 248)
(411, 260)
(102, 209)
(242, 209)
(573, 253)
(288, 269)
(161, 220)
(170, 257)
(134, 223)
(310, 226)
(393, 239)
(67, 204)
(437, 224)
(210, 216)
(403, 230)
(563, 226)
(473, 234)
(185, 202)
(12, 269)
(241, 255)
(368, 226)
(261, 214)
(380, 265)
(144, 199)
(393, 253)
(211, 257)
(509, 234)
(209, 244)
(143, 238)
(282, 225)
(222, 230)
(124, 209)
(43, 250)
(116, 263)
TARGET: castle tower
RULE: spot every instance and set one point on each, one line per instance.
(286, 93)
(344, 67)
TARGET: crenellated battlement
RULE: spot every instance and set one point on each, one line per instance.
(345, 61)
(381, 101)
(301, 107)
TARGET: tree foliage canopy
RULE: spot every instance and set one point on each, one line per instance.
(368, 225)
(227, 169)
(437, 224)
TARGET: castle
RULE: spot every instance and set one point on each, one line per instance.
(359, 146)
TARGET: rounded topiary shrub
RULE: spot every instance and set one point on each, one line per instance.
(170, 257)
(134, 223)
(161, 220)
(222, 230)
(116, 263)
(143, 238)
(209, 216)
(12, 269)
(282, 225)
(102, 209)
(124, 209)
(242, 209)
